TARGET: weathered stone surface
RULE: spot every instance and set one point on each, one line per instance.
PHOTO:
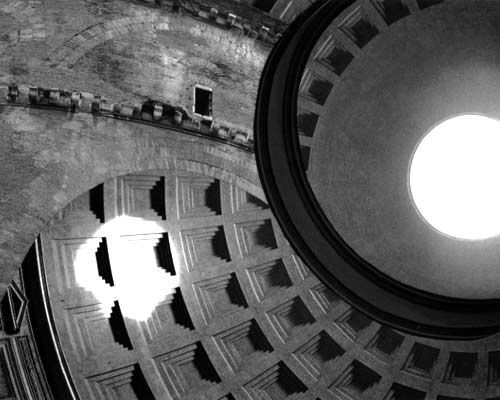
(131, 52)
(49, 158)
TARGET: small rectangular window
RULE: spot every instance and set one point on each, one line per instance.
(264, 5)
(203, 102)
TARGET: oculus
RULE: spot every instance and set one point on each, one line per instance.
(454, 176)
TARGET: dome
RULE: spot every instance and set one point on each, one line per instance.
(335, 156)
(145, 252)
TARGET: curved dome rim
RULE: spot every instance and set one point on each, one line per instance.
(416, 311)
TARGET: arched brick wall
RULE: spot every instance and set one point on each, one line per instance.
(50, 157)
(133, 51)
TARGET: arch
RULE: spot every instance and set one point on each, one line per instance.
(67, 54)
(49, 158)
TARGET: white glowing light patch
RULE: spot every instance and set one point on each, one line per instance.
(139, 283)
(455, 177)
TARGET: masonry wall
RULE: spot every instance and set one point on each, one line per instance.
(50, 157)
(133, 51)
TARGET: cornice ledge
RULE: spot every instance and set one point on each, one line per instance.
(151, 112)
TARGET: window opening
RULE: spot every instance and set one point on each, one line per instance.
(264, 5)
(203, 102)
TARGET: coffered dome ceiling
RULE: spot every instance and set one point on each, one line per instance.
(166, 267)
(362, 146)
(176, 284)
(346, 98)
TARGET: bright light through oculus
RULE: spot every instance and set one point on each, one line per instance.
(139, 283)
(455, 177)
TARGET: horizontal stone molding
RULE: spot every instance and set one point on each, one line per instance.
(152, 112)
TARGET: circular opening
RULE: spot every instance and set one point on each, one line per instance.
(455, 177)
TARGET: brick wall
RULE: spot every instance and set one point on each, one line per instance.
(135, 51)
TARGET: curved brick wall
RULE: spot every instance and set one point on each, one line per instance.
(133, 51)
(50, 157)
